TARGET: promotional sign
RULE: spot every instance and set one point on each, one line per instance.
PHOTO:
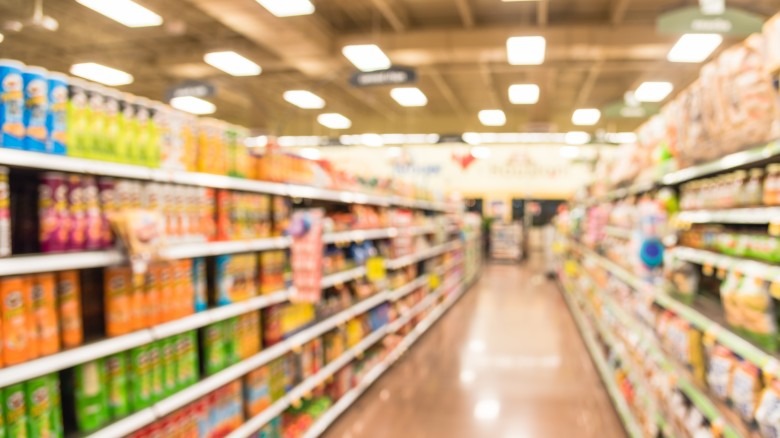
(306, 255)
(391, 76)
(619, 109)
(191, 88)
(692, 20)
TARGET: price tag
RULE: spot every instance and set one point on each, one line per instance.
(434, 280)
(774, 227)
(707, 270)
(376, 270)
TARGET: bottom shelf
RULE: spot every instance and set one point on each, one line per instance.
(588, 335)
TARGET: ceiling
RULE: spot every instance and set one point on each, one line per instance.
(596, 51)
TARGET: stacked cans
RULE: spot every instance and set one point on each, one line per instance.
(33, 106)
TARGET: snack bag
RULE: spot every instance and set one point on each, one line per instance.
(16, 339)
(721, 366)
(69, 298)
(118, 291)
(758, 312)
(91, 397)
(44, 305)
(15, 410)
(118, 385)
(745, 390)
(38, 400)
(768, 411)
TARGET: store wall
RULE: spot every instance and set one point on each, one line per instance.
(523, 171)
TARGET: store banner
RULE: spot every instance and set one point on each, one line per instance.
(306, 255)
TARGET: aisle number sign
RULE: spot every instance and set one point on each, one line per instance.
(376, 269)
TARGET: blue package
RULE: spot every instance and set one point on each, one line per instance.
(11, 104)
(36, 106)
(222, 280)
(57, 116)
(199, 286)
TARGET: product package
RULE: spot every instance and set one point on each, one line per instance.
(69, 300)
(92, 408)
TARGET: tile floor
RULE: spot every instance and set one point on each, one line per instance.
(505, 362)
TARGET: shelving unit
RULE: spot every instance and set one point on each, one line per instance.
(745, 266)
(32, 160)
(754, 216)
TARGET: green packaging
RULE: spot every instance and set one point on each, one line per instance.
(38, 401)
(169, 362)
(57, 426)
(230, 342)
(91, 397)
(118, 398)
(141, 379)
(186, 360)
(15, 411)
(2, 421)
(156, 371)
(77, 118)
(214, 346)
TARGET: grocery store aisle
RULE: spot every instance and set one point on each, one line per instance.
(505, 362)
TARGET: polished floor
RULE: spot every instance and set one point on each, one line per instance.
(505, 362)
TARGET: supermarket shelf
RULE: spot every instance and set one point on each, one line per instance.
(343, 277)
(406, 289)
(56, 362)
(728, 162)
(194, 392)
(758, 215)
(711, 328)
(745, 266)
(253, 424)
(414, 258)
(33, 160)
(588, 335)
(205, 249)
(619, 232)
(322, 424)
(360, 235)
(33, 264)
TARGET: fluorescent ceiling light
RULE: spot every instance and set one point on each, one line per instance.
(310, 153)
(481, 152)
(372, 140)
(288, 8)
(193, 105)
(653, 91)
(577, 137)
(492, 117)
(232, 63)
(524, 94)
(409, 96)
(367, 57)
(586, 117)
(526, 50)
(126, 12)
(693, 47)
(101, 73)
(334, 121)
(304, 99)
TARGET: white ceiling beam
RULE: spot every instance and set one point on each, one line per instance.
(466, 13)
(588, 85)
(396, 15)
(445, 90)
(618, 11)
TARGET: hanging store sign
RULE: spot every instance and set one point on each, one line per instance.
(191, 88)
(391, 76)
(692, 20)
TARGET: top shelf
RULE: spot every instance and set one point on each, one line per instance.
(33, 160)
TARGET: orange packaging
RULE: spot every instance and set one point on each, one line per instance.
(152, 300)
(14, 317)
(168, 299)
(117, 289)
(69, 297)
(44, 305)
(137, 308)
(186, 297)
(33, 348)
